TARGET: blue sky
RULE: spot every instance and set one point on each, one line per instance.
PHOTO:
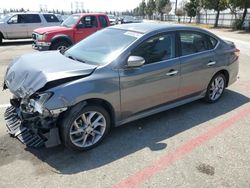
(92, 5)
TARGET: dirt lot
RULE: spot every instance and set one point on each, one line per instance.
(195, 145)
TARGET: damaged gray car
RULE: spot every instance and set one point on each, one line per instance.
(115, 76)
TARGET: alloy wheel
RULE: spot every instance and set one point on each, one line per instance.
(62, 48)
(87, 129)
(216, 88)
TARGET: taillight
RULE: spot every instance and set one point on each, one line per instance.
(237, 53)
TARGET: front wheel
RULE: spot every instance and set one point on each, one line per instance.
(83, 129)
(60, 45)
(215, 88)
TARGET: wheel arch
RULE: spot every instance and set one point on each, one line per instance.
(225, 73)
(58, 38)
(94, 101)
(106, 105)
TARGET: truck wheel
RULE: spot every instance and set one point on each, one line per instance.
(60, 45)
(83, 129)
(1, 39)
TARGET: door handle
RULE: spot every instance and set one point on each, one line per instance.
(211, 63)
(172, 73)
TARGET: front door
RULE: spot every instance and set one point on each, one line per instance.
(156, 82)
(86, 26)
(16, 27)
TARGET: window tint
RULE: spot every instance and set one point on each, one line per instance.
(213, 42)
(103, 21)
(30, 18)
(88, 22)
(158, 48)
(193, 42)
(50, 18)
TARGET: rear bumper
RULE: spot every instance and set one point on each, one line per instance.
(23, 130)
(41, 46)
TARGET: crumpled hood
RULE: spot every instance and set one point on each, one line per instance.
(31, 72)
(51, 29)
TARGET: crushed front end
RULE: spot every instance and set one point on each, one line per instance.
(32, 124)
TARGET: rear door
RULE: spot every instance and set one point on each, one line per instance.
(197, 62)
(157, 81)
(34, 21)
(86, 26)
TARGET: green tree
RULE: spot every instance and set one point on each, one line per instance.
(241, 4)
(179, 12)
(191, 9)
(161, 6)
(218, 6)
(150, 8)
(142, 8)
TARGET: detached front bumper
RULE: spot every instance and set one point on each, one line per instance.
(41, 46)
(25, 132)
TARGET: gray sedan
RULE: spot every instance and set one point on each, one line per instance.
(115, 76)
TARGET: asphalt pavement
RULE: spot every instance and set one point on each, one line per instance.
(195, 145)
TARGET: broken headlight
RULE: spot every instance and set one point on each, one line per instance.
(38, 101)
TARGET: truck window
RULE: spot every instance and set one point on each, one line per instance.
(29, 18)
(103, 21)
(88, 22)
(50, 18)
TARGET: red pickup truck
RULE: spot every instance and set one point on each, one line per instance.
(75, 28)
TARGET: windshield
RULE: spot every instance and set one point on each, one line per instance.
(5, 17)
(71, 21)
(102, 47)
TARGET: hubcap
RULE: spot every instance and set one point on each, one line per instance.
(87, 129)
(62, 48)
(216, 88)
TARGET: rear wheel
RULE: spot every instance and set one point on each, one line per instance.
(215, 88)
(60, 45)
(83, 129)
(1, 39)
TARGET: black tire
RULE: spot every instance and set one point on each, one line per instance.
(74, 113)
(58, 44)
(1, 39)
(208, 97)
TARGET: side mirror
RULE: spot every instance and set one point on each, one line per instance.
(10, 22)
(135, 61)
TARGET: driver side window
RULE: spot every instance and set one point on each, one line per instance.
(157, 48)
(13, 19)
(17, 19)
(88, 22)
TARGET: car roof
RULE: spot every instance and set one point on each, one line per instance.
(151, 27)
(87, 14)
(30, 13)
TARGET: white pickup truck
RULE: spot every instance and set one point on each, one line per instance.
(21, 25)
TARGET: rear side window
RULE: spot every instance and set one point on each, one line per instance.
(50, 18)
(193, 42)
(29, 18)
(213, 42)
(103, 21)
(157, 48)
